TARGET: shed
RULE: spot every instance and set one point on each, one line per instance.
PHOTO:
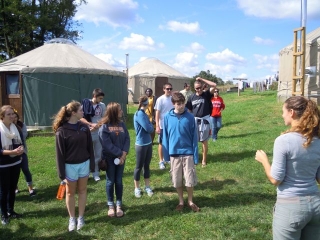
(152, 73)
(312, 59)
(39, 82)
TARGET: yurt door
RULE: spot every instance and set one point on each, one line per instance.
(159, 82)
(11, 91)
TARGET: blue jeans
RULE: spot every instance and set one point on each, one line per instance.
(25, 169)
(297, 218)
(114, 182)
(216, 124)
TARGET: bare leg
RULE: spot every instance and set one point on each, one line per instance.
(136, 184)
(180, 195)
(70, 197)
(204, 152)
(82, 194)
(147, 182)
(160, 152)
(190, 195)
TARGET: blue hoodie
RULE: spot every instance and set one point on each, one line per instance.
(180, 135)
(143, 128)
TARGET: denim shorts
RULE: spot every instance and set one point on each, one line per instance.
(76, 171)
(297, 218)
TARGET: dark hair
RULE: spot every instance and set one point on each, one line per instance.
(141, 100)
(19, 122)
(97, 92)
(308, 115)
(177, 97)
(185, 85)
(167, 84)
(148, 89)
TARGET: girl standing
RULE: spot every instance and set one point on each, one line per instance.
(75, 158)
(143, 147)
(217, 108)
(115, 141)
(11, 149)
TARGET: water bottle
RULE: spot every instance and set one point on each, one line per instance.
(61, 190)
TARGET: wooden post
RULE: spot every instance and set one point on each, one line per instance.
(239, 79)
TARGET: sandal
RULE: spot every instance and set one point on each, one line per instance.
(179, 207)
(194, 207)
(111, 212)
(119, 211)
(204, 165)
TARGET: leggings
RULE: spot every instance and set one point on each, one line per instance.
(143, 159)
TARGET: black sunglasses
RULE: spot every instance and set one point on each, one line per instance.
(198, 88)
(169, 89)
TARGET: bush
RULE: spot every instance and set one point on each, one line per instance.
(274, 86)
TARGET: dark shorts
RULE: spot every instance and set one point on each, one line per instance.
(160, 136)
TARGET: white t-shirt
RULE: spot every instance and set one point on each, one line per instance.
(163, 105)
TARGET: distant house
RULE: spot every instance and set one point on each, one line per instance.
(152, 73)
(312, 58)
(38, 83)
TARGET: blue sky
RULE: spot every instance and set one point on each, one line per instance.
(231, 38)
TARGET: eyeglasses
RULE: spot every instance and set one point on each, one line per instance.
(216, 91)
(169, 89)
(198, 88)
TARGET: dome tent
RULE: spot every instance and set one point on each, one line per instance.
(39, 82)
(152, 73)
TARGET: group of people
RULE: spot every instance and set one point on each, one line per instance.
(180, 124)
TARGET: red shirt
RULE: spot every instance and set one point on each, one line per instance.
(217, 106)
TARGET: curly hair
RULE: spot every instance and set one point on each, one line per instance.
(111, 115)
(308, 115)
(64, 114)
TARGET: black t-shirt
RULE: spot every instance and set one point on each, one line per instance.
(200, 105)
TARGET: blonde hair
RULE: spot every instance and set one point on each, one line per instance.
(3, 110)
(64, 114)
(111, 115)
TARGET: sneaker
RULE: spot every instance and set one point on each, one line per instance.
(80, 223)
(137, 192)
(32, 193)
(167, 162)
(14, 215)
(72, 224)
(214, 139)
(4, 220)
(149, 191)
(161, 165)
(96, 178)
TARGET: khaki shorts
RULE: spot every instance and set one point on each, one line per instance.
(183, 167)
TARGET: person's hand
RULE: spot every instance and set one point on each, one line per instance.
(158, 129)
(19, 150)
(122, 160)
(261, 156)
(93, 126)
(199, 78)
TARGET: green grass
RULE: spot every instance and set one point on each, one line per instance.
(233, 193)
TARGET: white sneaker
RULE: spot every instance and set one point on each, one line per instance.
(161, 165)
(72, 224)
(96, 178)
(137, 192)
(80, 223)
(149, 191)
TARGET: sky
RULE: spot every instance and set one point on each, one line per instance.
(230, 38)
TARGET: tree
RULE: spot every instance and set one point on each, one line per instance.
(27, 24)
(229, 82)
(207, 75)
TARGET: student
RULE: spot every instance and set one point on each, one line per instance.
(150, 110)
(74, 157)
(115, 140)
(200, 105)
(143, 147)
(295, 170)
(186, 92)
(180, 144)
(11, 149)
(25, 162)
(163, 105)
(217, 108)
(93, 112)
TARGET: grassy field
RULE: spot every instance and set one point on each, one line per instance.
(233, 193)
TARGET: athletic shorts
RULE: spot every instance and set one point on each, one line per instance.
(183, 167)
(76, 171)
(204, 131)
(160, 136)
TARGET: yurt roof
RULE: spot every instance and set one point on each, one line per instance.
(59, 57)
(311, 38)
(154, 67)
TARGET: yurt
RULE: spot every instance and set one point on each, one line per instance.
(40, 81)
(312, 62)
(152, 73)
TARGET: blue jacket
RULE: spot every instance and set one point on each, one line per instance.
(143, 128)
(114, 139)
(180, 135)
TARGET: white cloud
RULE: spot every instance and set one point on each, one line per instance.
(187, 63)
(195, 47)
(270, 62)
(220, 70)
(279, 9)
(120, 13)
(262, 41)
(108, 58)
(175, 26)
(226, 56)
(137, 42)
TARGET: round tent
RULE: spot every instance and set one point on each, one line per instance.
(40, 81)
(152, 73)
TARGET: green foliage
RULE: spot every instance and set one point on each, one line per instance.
(207, 75)
(233, 192)
(274, 86)
(229, 82)
(25, 25)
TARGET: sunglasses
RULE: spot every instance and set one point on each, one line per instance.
(169, 89)
(198, 88)
(216, 91)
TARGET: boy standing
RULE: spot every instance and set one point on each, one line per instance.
(180, 144)
(93, 111)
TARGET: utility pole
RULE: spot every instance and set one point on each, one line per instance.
(240, 80)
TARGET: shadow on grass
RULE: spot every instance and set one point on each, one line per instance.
(229, 157)
(230, 123)
(240, 135)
